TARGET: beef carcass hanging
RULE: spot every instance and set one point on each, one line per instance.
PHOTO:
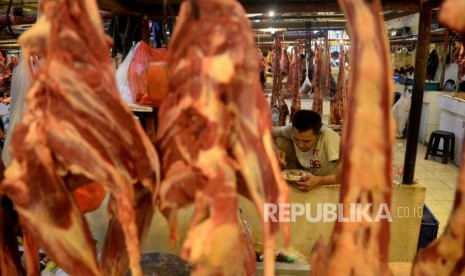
(360, 247)
(277, 78)
(277, 97)
(76, 129)
(327, 71)
(339, 103)
(456, 52)
(452, 16)
(295, 78)
(458, 56)
(461, 60)
(214, 139)
(446, 255)
(284, 63)
(283, 110)
(318, 81)
(294, 71)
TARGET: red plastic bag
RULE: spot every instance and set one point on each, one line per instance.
(137, 75)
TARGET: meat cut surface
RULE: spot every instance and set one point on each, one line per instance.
(277, 77)
(360, 246)
(75, 130)
(214, 139)
(446, 254)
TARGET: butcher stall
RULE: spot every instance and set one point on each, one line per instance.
(141, 143)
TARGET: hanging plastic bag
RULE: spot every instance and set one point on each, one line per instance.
(307, 85)
(122, 76)
(400, 111)
(137, 74)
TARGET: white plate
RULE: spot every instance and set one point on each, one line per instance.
(293, 175)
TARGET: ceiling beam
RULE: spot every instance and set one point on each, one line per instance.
(156, 8)
(340, 24)
(395, 15)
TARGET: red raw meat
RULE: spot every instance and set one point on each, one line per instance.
(277, 97)
(445, 255)
(327, 72)
(215, 139)
(318, 84)
(283, 110)
(339, 103)
(277, 78)
(75, 130)
(461, 61)
(295, 78)
(361, 247)
(284, 62)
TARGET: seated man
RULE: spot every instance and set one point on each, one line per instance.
(309, 146)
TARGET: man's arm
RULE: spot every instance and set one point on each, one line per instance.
(276, 132)
(326, 180)
(310, 181)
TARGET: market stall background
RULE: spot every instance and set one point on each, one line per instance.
(286, 16)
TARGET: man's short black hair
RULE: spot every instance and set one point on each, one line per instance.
(307, 119)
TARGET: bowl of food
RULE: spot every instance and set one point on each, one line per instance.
(293, 175)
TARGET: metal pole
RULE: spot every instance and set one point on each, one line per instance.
(421, 59)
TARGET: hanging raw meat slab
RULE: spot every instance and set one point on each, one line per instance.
(339, 103)
(284, 63)
(295, 78)
(327, 72)
(214, 138)
(76, 129)
(318, 84)
(277, 78)
(360, 247)
(445, 255)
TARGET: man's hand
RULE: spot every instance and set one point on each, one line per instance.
(309, 181)
(281, 158)
(281, 155)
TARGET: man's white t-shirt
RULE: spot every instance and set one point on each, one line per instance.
(320, 160)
